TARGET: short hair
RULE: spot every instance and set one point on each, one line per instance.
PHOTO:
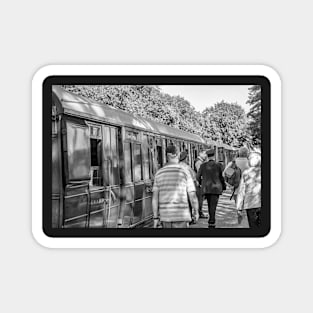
(255, 159)
(243, 152)
(171, 149)
(210, 153)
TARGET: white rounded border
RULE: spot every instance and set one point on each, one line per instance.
(37, 97)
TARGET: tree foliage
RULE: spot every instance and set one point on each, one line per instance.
(254, 115)
(225, 122)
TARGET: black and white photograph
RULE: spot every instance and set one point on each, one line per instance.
(156, 156)
(151, 156)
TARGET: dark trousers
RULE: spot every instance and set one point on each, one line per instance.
(200, 198)
(254, 217)
(175, 224)
(212, 204)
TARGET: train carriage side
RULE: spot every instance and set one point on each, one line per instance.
(104, 161)
(223, 153)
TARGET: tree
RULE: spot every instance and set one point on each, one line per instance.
(254, 115)
(225, 122)
(146, 101)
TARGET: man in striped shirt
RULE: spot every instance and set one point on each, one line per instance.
(172, 186)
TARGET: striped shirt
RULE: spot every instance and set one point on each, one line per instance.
(173, 182)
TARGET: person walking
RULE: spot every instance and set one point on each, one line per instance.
(210, 176)
(173, 186)
(199, 160)
(184, 162)
(241, 163)
(249, 192)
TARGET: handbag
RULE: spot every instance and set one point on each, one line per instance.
(229, 172)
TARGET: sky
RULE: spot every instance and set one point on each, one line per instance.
(202, 96)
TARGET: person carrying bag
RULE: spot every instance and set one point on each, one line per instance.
(232, 176)
(234, 170)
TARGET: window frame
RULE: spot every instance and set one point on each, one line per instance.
(99, 167)
(147, 173)
(134, 140)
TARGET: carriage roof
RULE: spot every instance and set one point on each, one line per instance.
(72, 104)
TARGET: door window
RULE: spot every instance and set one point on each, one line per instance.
(145, 156)
(137, 162)
(96, 155)
(78, 151)
(128, 162)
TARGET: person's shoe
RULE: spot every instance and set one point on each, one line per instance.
(211, 226)
(201, 215)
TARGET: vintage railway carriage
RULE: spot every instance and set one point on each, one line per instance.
(223, 152)
(104, 161)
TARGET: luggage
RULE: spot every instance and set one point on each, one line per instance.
(233, 175)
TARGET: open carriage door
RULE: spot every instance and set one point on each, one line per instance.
(76, 156)
(92, 170)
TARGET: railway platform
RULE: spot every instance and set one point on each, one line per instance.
(226, 214)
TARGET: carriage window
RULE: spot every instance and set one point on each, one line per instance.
(95, 152)
(115, 166)
(78, 150)
(137, 160)
(95, 131)
(128, 162)
(132, 135)
(152, 164)
(146, 158)
(159, 157)
(166, 143)
(95, 157)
